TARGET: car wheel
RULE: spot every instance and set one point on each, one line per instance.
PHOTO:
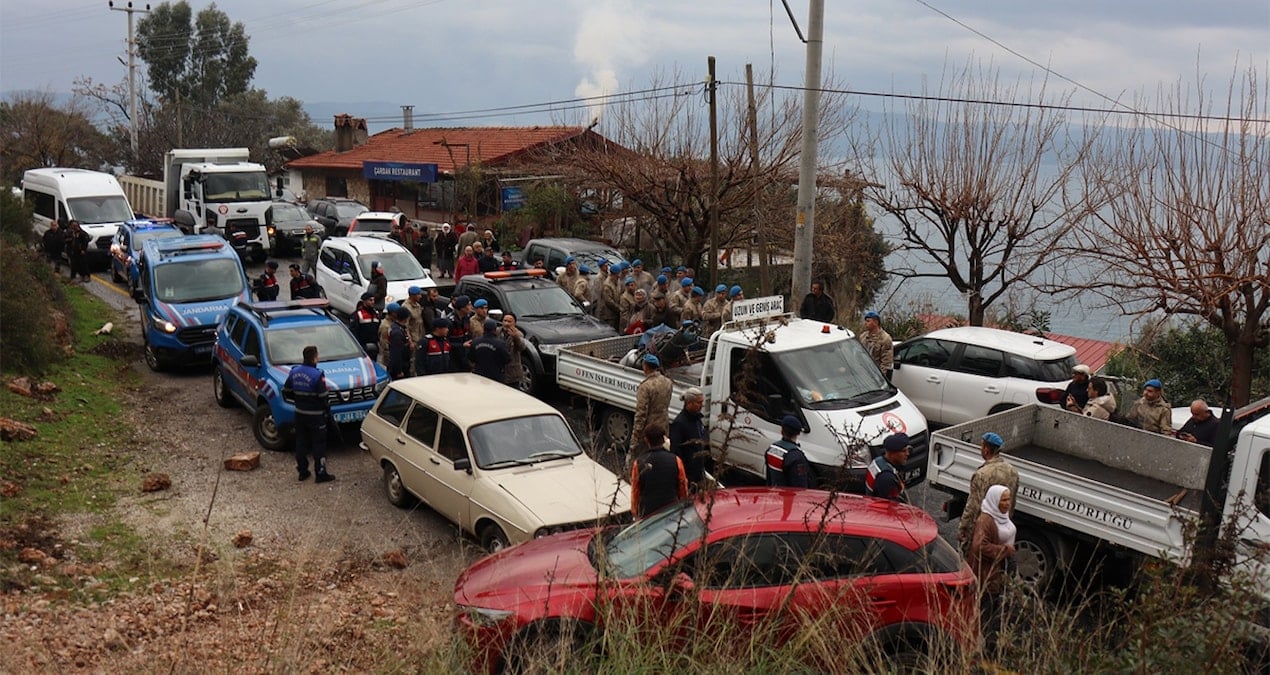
(223, 398)
(493, 539)
(155, 363)
(615, 428)
(397, 493)
(268, 434)
(528, 380)
(553, 646)
(1035, 559)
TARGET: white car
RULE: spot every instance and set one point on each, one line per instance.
(495, 461)
(959, 374)
(376, 223)
(344, 265)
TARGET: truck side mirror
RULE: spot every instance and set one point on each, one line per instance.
(251, 361)
(139, 295)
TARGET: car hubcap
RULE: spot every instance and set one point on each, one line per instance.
(268, 429)
(394, 486)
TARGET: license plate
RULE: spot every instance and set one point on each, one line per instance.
(353, 416)
(202, 349)
(915, 476)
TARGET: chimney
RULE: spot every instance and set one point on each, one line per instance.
(408, 118)
(343, 133)
(360, 135)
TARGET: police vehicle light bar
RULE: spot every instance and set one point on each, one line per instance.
(511, 274)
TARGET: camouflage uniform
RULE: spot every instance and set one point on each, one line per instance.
(652, 404)
(610, 301)
(711, 312)
(1154, 417)
(691, 310)
(581, 290)
(882, 349)
(994, 471)
(414, 327)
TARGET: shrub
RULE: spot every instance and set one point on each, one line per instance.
(29, 289)
(1192, 360)
(15, 217)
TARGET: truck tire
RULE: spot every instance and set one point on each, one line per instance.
(1035, 559)
(615, 427)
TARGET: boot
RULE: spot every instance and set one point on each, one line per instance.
(322, 475)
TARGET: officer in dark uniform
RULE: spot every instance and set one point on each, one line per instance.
(460, 334)
(399, 347)
(657, 476)
(787, 466)
(302, 285)
(267, 283)
(432, 356)
(882, 479)
(306, 385)
(490, 353)
(363, 322)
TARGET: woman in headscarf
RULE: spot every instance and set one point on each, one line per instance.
(990, 547)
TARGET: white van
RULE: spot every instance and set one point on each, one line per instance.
(93, 198)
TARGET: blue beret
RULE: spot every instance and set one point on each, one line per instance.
(602, 262)
(994, 439)
(735, 291)
(481, 302)
(1154, 383)
(652, 360)
(661, 279)
(393, 307)
(872, 315)
(636, 262)
(686, 281)
(895, 442)
(414, 290)
(584, 269)
(697, 290)
(569, 260)
(681, 268)
(629, 280)
(666, 270)
(721, 288)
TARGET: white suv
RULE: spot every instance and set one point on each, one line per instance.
(959, 374)
(344, 265)
(376, 223)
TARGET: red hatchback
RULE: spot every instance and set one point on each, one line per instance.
(769, 561)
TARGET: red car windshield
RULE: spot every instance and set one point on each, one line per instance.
(640, 547)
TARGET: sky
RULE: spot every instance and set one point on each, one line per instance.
(368, 57)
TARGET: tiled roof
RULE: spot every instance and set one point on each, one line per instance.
(484, 145)
(1093, 353)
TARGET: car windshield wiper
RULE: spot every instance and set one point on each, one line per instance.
(507, 462)
(551, 454)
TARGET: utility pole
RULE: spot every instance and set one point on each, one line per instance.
(712, 86)
(804, 225)
(760, 228)
(132, 70)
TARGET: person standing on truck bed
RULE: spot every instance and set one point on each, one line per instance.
(995, 470)
(882, 480)
(1201, 428)
(652, 399)
(657, 476)
(306, 385)
(817, 306)
(712, 310)
(1100, 406)
(1152, 412)
(879, 343)
(1078, 388)
(787, 465)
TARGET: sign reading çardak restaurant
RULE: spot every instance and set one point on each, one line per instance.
(400, 171)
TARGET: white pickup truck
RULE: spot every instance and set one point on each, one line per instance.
(753, 372)
(1086, 480)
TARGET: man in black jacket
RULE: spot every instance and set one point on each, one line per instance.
(657, 476)
(54, 244)
(688, 439)
(817, 306)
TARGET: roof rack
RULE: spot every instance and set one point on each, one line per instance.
(267, 308)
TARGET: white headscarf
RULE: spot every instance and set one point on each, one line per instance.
(992, 506)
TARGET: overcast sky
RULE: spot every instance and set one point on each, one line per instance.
(453, 55)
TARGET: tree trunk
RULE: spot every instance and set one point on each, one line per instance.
(975, 309)
(1242, 350)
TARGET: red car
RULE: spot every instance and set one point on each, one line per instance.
(756, 559)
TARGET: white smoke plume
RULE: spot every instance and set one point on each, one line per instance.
(611, 35)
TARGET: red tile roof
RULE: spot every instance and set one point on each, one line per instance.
(484, 145)
(1093, 353)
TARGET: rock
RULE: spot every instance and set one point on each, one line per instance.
(20, 386)
(396, 560)
(113, 640)
(46, 390)
(154, 482)
(31, 556)
(243, 461)
(242, 539)
(9, 488)
(13, 430)
(105, 329)
(47, 415)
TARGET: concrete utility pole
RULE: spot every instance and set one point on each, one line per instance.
(132, 70)
(804, 226)
(760, 228)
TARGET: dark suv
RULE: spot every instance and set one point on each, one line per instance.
(547, 315)
(553, 252)
(336, 213)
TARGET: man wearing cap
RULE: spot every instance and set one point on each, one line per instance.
(883, 478)
(310, 244)
(995, 470)
(681, 295)
(414, 304)
(657, 312)
(480, 312)
(379, 285)
(432, 355)
(692, 307)
(389, 317)
(688, 438)
(596, 287)
(487, 262)
(1077, 391)
(400, 346)
(712, 310)
(817, 306)
(662, 286)
(734, 294)
(878, 342)
(489, 353)
(581, 290)
(446, 244)
(306, 385)
(652, 399)
(610, 309)
(1152, 412)
(363, 323)
(460, 333)
(267, 283)
(657, 476)
(787, 465)
(626, 303)
(643, 278)
(568, 279)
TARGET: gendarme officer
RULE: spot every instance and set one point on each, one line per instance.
(306, 385)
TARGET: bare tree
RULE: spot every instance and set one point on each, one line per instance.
(1185, 229)
(38, 132)
(977, 188)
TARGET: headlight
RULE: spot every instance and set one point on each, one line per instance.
(164, 325)
(271, 230)
(485, 616)
(549, 350)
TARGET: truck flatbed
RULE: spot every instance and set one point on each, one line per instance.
(1089, 469)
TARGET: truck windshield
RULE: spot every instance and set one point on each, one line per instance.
(522, 440)
(837, 374)
(398, 265)
(96, 210)
(546, 300)
(236, 187)
(198, 280)
(334, 343)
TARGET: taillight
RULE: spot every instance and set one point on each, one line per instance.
(1050, 395)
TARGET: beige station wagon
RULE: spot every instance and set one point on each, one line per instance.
(498, 463)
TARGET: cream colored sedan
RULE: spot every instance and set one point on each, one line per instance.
(500, 464)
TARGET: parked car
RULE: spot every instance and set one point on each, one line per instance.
(868, 567)
(547, 315)
(344, 265)
(376, 223)
(959, 374)
(126, 249)
(256, 346)
(498, 463)
(336, 213)
(287, 222)
(554, 251)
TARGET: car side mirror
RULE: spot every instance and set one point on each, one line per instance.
(464, 464)
(896, 365)
(251, 360)
(346, 278)
(139, 295)
(372, 350)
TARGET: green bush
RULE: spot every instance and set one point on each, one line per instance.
(28, 290)
(1193, 361)
(15, 217)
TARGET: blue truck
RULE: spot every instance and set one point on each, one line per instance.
(185, 286)
(258, 343)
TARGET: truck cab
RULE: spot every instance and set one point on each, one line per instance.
(219, 192)
(185, 286)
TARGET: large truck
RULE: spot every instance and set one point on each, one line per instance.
(217, 191)
(759, 367)
(1092, 481)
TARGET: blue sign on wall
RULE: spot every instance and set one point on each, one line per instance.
(400, 171)
(513, 198)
